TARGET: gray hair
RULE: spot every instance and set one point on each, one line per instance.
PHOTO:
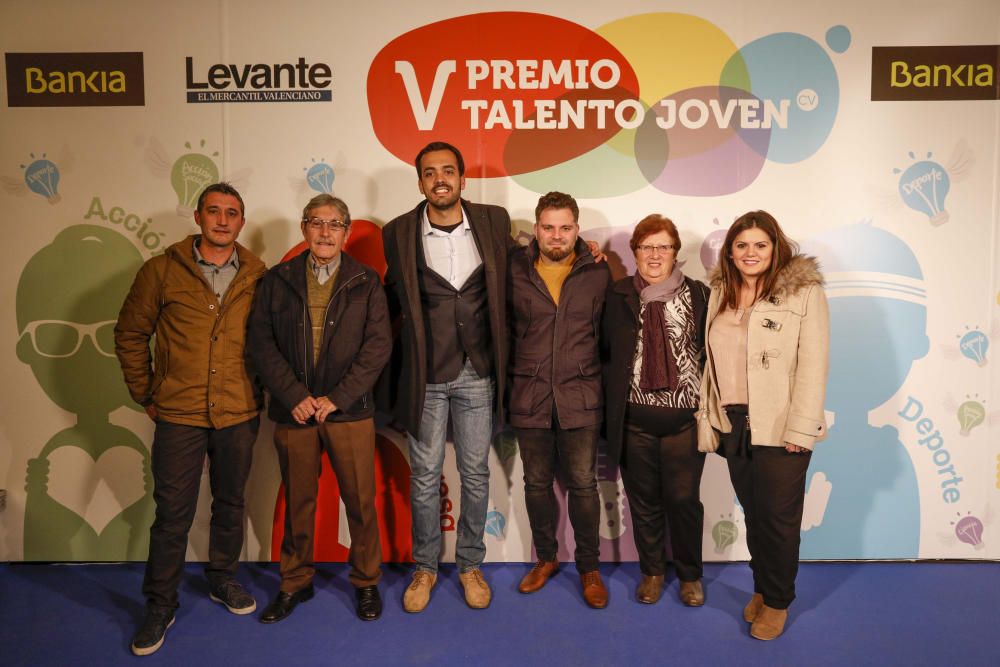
(327, 200)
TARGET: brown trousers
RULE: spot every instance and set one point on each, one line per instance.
(351, 448)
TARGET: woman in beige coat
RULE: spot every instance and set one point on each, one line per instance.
(762, 391)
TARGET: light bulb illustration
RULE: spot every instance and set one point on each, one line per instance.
(969, 529)
(709, 253)
(190, 174)
(973, 345)
(611, 490)
(42, 177)
(320, 177)
(496, 524)
(724, 534)
(970, 415)
(923, 187)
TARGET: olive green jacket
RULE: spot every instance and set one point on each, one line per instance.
(197, 375)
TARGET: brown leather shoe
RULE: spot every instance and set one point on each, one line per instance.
(477, 591)
(594, 592)
(539, 574)
(692, 594)
(753, 607)
(418, 593)
(769, 624)
(649, 589)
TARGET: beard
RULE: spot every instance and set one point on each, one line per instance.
(444, 202)
(557, 254)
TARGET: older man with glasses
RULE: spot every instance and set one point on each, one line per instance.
(319, 337)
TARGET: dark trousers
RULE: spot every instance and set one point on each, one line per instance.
(351, 448)
(573, 452)
(770, 483)
(661, 469)
(177, 459)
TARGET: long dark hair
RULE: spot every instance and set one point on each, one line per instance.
(732, 279)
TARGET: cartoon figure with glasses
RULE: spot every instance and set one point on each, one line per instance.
(89, 488)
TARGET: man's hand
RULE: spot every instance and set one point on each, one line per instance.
(595, 250)
(151, 411)
(324, 407)
(304, 410)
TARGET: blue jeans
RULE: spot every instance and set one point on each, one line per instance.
(469, 399)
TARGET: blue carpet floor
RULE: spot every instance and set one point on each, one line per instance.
(845, 614)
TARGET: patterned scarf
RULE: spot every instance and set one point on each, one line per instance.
(659, 368)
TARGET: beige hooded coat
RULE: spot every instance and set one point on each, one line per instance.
(787, 361)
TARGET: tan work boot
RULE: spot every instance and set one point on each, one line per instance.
(477, 591)
(539, 574)
(692, 593)
(649, 589)
(418, 593)
(769, 624)
(753, 607)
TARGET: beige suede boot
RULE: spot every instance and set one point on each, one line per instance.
(477, 591)
(769, 624)
(418, 593)
(753, 607)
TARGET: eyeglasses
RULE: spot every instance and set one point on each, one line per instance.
(662, 248)
(316, 224)
(57, 339)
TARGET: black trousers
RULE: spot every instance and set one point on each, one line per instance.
(770, 483)
(177, 459)
(573, 452)
(661, 469)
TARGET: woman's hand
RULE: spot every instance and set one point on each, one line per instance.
(794, 449)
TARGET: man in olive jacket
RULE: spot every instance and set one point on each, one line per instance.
(556, 297)
(319, 337)
(195, 298)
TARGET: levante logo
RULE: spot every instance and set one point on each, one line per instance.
(74, 79)
(259, 82)
(660, 99)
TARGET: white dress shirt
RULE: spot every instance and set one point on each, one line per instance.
(452, 255)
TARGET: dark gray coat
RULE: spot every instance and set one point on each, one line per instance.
(555, 353)
(620, 332)
(356, 345)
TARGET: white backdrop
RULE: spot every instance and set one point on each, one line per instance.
(911, 468)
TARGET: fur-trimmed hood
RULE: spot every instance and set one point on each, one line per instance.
(800, 272)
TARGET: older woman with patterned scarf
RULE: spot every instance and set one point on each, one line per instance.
(654, 340)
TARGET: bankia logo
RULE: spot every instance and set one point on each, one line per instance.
(297, 81)
(75, 79)
(924, 73)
